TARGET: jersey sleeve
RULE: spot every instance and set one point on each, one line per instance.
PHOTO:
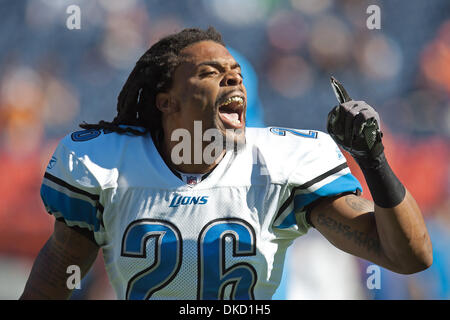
(70, 192)
(320, 171)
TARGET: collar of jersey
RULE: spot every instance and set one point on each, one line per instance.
(175, 181)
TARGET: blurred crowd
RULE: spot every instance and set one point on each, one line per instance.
(53, 78)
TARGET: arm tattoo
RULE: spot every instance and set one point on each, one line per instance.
(359, 204)
(361, 239)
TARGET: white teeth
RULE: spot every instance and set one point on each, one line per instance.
(233, 99)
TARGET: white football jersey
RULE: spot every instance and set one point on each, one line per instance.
(222, 238)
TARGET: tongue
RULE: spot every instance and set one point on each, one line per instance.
(233, 116)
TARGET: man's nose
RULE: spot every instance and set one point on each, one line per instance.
(231, 79)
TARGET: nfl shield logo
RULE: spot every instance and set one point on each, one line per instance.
(191, 180)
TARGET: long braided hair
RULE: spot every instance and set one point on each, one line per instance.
(136, 105)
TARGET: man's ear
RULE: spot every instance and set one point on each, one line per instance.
(165, 103)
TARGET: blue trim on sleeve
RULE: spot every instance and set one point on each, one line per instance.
(345, 183)
(289, 221)
(72, 209)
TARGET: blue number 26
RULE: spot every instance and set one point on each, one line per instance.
(215, 277)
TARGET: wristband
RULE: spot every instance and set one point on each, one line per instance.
(386, 189)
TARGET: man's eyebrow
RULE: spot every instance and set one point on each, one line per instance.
(218, 65)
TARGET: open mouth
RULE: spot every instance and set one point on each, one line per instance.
(231, 111)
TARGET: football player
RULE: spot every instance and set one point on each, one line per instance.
(219, 229)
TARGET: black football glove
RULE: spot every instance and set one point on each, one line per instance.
(354, 125)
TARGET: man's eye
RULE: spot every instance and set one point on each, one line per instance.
(208, 73)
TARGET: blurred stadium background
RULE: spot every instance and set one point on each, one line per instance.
(53, 78)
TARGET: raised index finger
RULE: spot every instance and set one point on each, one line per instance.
(339, 91)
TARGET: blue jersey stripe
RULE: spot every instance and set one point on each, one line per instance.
(72, 209)
(289, 221)
(310, 183)
(345, 183)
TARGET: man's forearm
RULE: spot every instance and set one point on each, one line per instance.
(403, 235)
(48, 275)
(400, 225)
(66, 247)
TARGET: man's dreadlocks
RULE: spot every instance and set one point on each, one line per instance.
(152, 74)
